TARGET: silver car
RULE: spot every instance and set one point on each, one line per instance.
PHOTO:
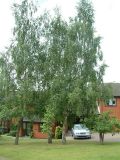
(80, 131)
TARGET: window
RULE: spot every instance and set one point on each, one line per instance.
(111, 102)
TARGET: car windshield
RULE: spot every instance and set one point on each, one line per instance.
(83, 126)
(78, 127)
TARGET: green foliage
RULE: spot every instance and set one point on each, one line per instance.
(87, 50)
(58, 132)
(105, 123)
(12, 133)
(55, 68)
(91, 121)
(49, 118)
(13, 130)
(31, 134)
(13, 127)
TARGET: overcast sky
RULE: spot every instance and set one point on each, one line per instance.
(107, 24)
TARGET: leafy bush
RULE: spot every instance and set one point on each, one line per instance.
(31, 134)
(13, 127)
(58, 132)
(13, 130)
(12, 133)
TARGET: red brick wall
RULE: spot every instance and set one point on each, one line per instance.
(21, 133)
(115, 110)
(37, 132)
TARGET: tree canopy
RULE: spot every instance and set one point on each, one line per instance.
(55, 68)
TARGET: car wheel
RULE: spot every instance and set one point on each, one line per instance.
(90, 137)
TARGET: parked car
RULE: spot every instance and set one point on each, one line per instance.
(80, 131)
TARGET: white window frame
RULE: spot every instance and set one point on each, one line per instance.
(112, 102)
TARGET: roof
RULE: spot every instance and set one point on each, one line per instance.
(115, 87)
(34, 119)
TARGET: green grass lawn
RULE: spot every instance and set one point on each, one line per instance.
(36, 149)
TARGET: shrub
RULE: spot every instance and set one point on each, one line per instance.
(58, 132)
(31, 134)
(12, 133)
(13, 127)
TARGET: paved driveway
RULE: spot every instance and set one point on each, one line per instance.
(107, 137)
(95, 137)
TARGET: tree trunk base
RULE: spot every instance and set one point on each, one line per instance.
(101, 136)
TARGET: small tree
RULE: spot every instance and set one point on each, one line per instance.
(49, 118)
(58, 132)
(105, 124)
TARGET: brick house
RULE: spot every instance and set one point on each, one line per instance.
(113, 104)
(34, 127)
(27, 127)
